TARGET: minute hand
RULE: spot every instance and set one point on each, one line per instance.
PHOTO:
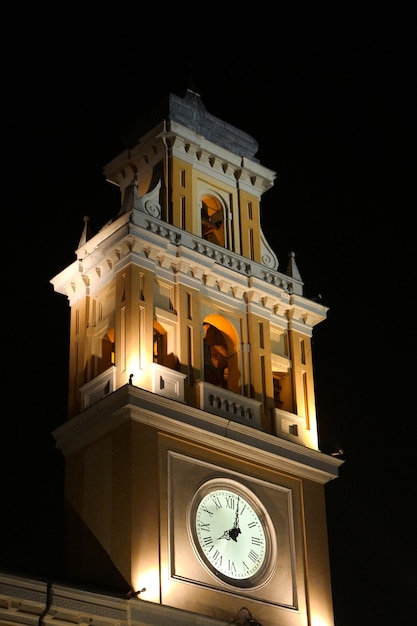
(235, 531)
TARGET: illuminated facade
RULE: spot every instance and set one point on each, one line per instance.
(191, 391)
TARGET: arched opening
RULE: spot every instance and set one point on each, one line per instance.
(221, 353)
(216, 368)
(212, 220)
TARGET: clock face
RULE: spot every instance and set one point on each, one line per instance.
(232, 533)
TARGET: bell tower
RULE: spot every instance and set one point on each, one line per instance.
(191, 447)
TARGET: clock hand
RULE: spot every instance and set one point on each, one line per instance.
(235, 531)
(230, 534)
(236, 524)
(225, 535)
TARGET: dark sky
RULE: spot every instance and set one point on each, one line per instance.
(332, 105)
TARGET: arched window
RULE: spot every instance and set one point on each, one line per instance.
(212, 220)
(220, 364)
(215, 356)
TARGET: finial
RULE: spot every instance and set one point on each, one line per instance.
(292, 269)
(86, 234)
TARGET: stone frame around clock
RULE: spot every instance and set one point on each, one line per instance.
(184, 476)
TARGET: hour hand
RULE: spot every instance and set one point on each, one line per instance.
(225, 535)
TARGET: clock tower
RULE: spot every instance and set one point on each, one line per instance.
(192, 467)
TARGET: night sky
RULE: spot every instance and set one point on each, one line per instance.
(333, 108)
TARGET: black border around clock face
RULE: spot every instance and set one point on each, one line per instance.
(232, 533)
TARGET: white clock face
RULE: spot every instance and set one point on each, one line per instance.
(231, 532)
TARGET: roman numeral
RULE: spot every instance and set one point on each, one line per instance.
(207, 541)
(217, 502)
(204, 527)
(256, 541)
(230, 502)
(253, 556)
(206, 510)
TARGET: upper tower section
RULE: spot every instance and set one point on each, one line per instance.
(180, 293)
(198, 173)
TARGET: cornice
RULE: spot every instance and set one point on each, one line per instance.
(204, 155)
(169, 251)
(130, 403)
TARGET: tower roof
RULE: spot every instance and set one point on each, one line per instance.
(191, 113)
